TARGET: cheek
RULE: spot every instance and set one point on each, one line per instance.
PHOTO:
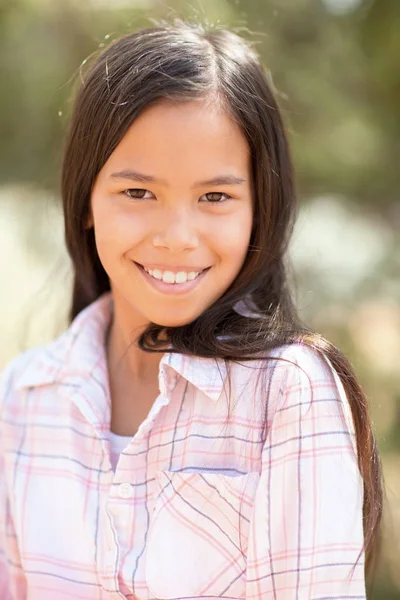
(115, 232)
(234, 237)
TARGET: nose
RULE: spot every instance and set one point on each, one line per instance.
(177, 231)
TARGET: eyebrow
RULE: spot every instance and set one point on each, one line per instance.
(136, 176)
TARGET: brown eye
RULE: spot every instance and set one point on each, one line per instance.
(216, 197)
(136, 193)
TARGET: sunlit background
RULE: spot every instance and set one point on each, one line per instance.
(335, 66)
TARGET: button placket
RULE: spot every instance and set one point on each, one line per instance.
(110, 558)
(125, 490)
(162, 382)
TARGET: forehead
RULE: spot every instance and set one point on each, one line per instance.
(188, 137)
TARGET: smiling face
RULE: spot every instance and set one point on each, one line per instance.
(175, 195)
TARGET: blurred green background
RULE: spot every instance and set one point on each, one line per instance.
(335, 66)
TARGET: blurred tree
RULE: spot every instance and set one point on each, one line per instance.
(337, 77)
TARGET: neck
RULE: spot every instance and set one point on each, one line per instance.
(128, 361)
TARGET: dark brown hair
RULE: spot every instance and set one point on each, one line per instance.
(179, 62)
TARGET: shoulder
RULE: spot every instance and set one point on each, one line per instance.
(35, 366)
(295, 365)
(288, 374)
(298, 375)
(75, 350)
(295, 362)
(299, 362)
(310, 387)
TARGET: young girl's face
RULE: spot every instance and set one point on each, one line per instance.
(174, 196)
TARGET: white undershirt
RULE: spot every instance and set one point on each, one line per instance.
(117, 444)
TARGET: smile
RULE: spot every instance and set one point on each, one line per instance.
(172, 283)
(170, 277)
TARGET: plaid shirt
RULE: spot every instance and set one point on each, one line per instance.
(201, 504)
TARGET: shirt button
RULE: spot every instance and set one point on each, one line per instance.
(125, 490)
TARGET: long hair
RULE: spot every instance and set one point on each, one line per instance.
(180, 61)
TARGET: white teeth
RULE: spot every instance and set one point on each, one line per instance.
(170, 277)
(156, 273)
(181, 277)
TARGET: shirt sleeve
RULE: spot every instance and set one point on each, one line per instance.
(306, 531)
(12, 578)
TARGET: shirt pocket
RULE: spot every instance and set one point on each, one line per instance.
(198, 534)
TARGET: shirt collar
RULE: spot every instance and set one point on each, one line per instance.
(79, 353)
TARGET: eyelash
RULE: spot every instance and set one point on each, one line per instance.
(227, 197)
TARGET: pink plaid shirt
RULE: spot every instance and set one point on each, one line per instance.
(202, 503)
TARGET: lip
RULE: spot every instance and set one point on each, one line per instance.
(171, 288)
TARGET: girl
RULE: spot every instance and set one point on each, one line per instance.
(186, 437)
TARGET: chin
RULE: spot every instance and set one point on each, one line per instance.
(172, 322)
